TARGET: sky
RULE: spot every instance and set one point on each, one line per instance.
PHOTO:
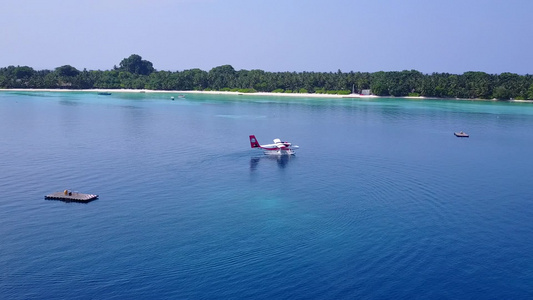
(444, 36)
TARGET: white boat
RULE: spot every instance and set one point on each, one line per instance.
(461, 134)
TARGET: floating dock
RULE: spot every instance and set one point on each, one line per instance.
(71, 196)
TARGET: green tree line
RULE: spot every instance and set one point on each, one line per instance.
(135, 73)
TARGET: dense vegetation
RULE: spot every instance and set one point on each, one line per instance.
(135, 73)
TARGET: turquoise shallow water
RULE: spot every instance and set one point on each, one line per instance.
(381, 200)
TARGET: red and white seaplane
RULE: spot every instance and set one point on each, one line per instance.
(278, 148)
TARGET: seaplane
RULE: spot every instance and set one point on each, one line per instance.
(278, 148)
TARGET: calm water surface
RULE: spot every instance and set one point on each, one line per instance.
(381, 200)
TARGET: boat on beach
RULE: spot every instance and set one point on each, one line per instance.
(461, 134)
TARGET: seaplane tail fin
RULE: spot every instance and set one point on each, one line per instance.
(253, 142)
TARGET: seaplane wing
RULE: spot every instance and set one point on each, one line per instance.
(278, 148)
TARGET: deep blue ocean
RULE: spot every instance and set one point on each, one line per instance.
(381, 201)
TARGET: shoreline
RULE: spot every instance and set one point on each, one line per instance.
(268, 94)
(192, 92)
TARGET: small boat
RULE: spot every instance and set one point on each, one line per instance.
(461, 134)
(104, 93)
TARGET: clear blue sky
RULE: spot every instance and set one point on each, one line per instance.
(453, 36)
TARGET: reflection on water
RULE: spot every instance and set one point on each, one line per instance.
(281, 160)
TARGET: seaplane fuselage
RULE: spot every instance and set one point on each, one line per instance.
(278, 148)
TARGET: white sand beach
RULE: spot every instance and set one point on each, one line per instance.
(329, 96)
(195, 92)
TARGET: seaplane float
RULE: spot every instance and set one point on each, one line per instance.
(278, 148)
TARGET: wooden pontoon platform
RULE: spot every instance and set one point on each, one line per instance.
(71, 196)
